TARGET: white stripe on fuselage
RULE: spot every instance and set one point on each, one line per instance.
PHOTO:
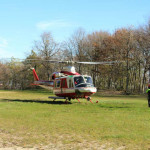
(72, 90)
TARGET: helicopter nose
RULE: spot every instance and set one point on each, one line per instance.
(91, 90)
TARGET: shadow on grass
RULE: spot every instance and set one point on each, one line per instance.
(121, 96)
(37, 101)
(114, 106)
(38, 91)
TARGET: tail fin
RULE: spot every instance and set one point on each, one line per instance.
(36, 78)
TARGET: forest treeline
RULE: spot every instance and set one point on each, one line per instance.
(130, 47)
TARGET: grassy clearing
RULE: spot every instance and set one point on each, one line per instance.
(29, 118)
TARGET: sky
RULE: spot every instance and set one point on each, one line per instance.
(23, 21)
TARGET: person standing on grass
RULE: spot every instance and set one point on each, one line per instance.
(148, 92)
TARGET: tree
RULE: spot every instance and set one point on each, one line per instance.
(4, 75)
(46, 49)
(125, 45)
(143, 46)
(94, 44)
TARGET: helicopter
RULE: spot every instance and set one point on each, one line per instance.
(68, 84)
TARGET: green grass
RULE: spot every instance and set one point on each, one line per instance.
(29, 118)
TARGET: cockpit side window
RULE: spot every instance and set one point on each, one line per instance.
(57, 83)
(78, 80)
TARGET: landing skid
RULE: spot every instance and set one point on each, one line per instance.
(54, 98)
(69, 99)
(51, 97)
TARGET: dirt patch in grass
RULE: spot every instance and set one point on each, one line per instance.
(9, 142)
(7, 92)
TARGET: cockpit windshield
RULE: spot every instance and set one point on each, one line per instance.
(83, 81)
(88, 79)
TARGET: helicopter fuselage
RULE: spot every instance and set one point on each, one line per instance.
(74, 86)
(69, 85)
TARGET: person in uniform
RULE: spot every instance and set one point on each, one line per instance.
(148, 92)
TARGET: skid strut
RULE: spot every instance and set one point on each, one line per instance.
(78, 100)
(89, 99)
(54, 99)
(66, 101)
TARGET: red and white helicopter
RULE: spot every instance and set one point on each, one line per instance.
(68, 84)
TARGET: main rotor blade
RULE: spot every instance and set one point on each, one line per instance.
(51, 61)
(96, 63)
(41, 60)
(71, 62)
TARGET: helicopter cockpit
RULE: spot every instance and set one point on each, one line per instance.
(83, 81)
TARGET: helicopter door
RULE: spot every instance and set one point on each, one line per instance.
(63, 85)
(70, 83)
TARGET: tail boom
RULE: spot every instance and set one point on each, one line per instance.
(41, 82)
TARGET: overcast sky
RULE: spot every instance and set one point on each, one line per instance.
(23, 21)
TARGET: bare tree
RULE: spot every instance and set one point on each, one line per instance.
(46, 49)
(143, 45)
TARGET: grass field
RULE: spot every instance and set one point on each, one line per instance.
(29, 119)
